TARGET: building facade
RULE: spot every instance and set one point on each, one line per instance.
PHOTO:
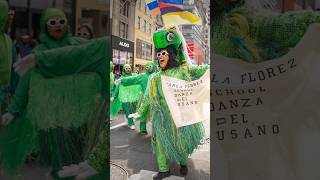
(145, 25)
(96, 13)
(122, 25)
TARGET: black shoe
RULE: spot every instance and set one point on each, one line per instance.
(161, 175)
(183, 170)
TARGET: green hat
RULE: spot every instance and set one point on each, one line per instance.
(154, 67)
(3, 14)
(167, 36)
(46, 15)
(170, 36)
(124, 66)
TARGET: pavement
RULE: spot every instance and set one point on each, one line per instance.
(133, 153)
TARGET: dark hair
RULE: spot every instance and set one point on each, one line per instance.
(172, 63)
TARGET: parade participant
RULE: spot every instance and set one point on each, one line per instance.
(171, 143)
(126, 97)
(5, 58)
(59, 108)
(85, 31)
(142, 80)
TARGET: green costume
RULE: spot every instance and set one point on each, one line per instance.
(5, 58)
(126, 97)
(60, 105)
(245, 35)
(170, 142)
(111, 79)
(142, 80)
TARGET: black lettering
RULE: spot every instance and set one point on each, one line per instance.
(259, 101)
(245, 103)
(218, 92)
(252, 90)
(247, 133)
(261, 75)
(220, 135)
(233, 119)
(234, 103)
(292, 63)
(243, 119)
(251, 79)
(229, 91)
(243, 78)
(226, 81)
(262, 130)
(270, 72)
(281, 68)
(275, 129)
(262, 89)
(234, 134)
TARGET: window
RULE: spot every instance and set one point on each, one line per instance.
(139, 5)
(139, 22)
(143, 50)
(124, 8)
(150, 28)
(123, 30)
(144, 26)
(145, 9)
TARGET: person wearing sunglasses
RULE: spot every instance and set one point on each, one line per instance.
(169, 142)
(54, 109)
(5, 57)
(85, 31)
(125, 97)
(142, 81)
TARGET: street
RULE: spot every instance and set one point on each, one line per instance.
(133, 152)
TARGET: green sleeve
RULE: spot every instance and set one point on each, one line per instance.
(88, 57)
(116, 91)
(20, 98)
(133, 80)
(144, 106)
(197, 71)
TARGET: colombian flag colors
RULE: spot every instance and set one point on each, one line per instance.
(172, 12)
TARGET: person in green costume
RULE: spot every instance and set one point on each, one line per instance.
(126, 97)
(85, 31)
(5, 57)
(142, 80)
(59, 107)
(169, 142)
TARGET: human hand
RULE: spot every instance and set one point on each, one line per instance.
(24, 64)
(7, 118)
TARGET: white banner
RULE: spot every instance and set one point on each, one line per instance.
(188, 101)
(266, 116)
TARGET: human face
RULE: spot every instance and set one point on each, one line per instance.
(149, 68)
(84, 33)
(57, 27)
(127, 69)
(163, 57)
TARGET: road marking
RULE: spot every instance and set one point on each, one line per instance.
(118, 125)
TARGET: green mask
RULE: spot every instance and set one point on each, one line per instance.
(126, 66)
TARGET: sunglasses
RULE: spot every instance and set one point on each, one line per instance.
(163, 53)
(127, 68)
(83, 34)
(56, 23)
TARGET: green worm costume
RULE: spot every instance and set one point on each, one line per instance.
(243, 34)
(170, 142)
(126, 97)
(60, 105)
(5, 57)
(142, 81)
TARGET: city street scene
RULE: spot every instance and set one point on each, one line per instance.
(146, 138)
(54, 65)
